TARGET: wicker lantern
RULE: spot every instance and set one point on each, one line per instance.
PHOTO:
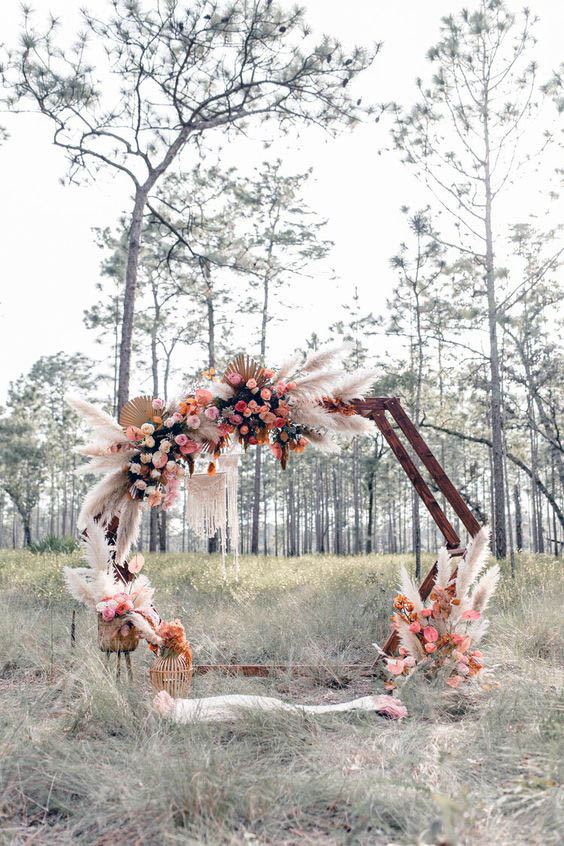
(172, 673)
(117, 636)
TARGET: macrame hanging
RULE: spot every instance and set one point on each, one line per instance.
(211, 507)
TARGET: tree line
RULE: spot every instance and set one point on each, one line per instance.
(471, 326)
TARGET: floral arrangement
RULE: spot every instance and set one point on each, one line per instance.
(172, 642)
(443, 632)
(99, 589)
(144, 456)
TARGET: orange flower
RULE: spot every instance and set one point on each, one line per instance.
(211, 468)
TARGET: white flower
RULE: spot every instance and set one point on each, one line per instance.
(165, 446)
(146, 457)
(149, 441)
(147, 428)
(170, 466)
(135, 468)
(140, 484)
(169, 422)
(155, 474)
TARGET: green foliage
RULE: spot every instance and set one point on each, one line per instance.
(54, 543)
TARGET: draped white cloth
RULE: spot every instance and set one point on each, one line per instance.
(232, 707)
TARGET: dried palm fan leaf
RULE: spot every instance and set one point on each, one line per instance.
(136, 412)
(246, 367)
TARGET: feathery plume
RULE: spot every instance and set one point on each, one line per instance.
(409, 640)
(104, 424)
(315, 385)
(310, 414)
(142, 593)
(350, 425)
(318, 359)
(355, 385)
(95, 547)
(128, 529)
(322, 441)
(289, 367)
(485, 588)
(222, 390)
(144, 628)
(78, 587)
(410, 589)
(103, 499)
(471, 566)
(444, 568)
(106, 463)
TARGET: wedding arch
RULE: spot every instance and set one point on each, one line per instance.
(144, 456)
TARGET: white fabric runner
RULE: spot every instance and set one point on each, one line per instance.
(217, 708)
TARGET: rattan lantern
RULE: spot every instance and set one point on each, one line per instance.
(172, 673)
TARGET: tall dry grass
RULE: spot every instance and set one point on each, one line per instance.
(85, 760)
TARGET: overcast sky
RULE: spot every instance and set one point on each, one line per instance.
(49, 263)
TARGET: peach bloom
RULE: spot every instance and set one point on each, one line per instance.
(276, 451)
(268, 373)
(414, 627)
(430, 647)
(154, 498)
(290, 386)
(159, 459)
(470, 614)
(244, 430)
(203, 396)
(193, 421)
(133, 433)
(251, 384)
(140, 485)
(234, 378)
(169, 422)
(426, 612)
(280, 389)
(265, 394)
(430, 633)
(247, 412)
(396, 666)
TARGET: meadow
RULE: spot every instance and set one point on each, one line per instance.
(84, 759)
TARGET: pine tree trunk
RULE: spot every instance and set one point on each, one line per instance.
(131, 273)
(518, 517)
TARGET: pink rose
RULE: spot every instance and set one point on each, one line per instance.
(430, 633)
(426, 612)
(471, 614)
(212, 413)
(181, 440)
(158, 404)
(268, 374)
(159, 459)
(108, 613)
(430, 647)
(415, 627)
(203, 396)
(281, 388)
(193, 421)
(234, 378)
(251, 384)
(235, 419)
(189, 447)
(265, 394)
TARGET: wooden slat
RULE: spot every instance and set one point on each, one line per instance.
(435, 470)
(416, 478)
(265, 670)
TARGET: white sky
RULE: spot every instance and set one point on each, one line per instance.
(49, 263)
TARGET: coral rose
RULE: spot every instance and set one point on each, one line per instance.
(430, 633)
(203, 396)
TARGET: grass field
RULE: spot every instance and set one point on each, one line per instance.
(85, 760)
